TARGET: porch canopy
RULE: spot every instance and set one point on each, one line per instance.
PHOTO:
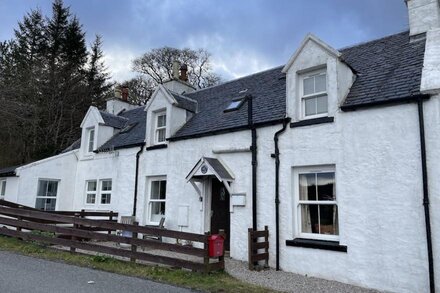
(206, 167)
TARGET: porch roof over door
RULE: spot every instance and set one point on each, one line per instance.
(210, 167)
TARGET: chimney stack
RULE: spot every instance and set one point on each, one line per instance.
(124, 91)
(183, 73)
(423, 15)
(175, 70)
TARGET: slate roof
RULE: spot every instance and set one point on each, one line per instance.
(268, 89)
(388, 69)
(74, 146)
(219, 168)
(115, 121)
(135, 134)
(184, 102)
(8, 171)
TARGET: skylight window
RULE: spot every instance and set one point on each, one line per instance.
(234, 105)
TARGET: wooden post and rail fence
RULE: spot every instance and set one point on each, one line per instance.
(255, 246)
(80, 232)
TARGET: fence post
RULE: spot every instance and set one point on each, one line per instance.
(266, 239)
(111, 219)
(206, 248)
(75, 226)
(250, 248)
(221, 259)
(134, 235)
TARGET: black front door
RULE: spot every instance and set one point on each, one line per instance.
(220, 216)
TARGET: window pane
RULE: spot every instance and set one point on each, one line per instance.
(157, 211)
(106, 185)
(52, 187)
(91, 186)
(321, 105)
(155, 187)
(105, 198)
(309, 219)
(326, 186)
(161, 133)
(309, 85)
(163, 189)
(91, 198)
(307, 187)
(158, 189)
(329, 219)
(46, 204)
(3, 188)
(320, 83)
(91, 139)
(161, 120)
(42, 187)
(310, 106)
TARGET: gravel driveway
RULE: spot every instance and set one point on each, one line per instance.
(288, 282)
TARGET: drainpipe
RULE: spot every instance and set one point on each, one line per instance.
(138, 155)
(426, 194)
(276, 155)
(254, 161)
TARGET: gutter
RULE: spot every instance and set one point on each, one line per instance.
(276, 155)
(403, 100)
(138, 155)
(426, 195)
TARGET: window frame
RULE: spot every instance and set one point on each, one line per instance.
(158, 128)
(315, 95)
(98, 193)
(47, 197)
(150, 201)
(297, 215)
(87, 192)
(3, 183)
(101, 192)
(89, 140)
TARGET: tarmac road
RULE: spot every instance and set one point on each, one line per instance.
(23, 274)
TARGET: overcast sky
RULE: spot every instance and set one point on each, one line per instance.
(244, 36)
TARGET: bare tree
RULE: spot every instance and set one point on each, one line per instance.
(157, 65)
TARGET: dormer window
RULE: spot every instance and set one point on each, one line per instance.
(314, 95)
(90, 139)
(161, 127)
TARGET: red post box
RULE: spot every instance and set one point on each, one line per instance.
(216, 243)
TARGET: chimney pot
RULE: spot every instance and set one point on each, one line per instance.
(183, 72)
(124, 91)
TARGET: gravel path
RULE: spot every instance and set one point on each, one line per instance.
(288, 282)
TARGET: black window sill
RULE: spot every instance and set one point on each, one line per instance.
(317, 244)
(314, 121)
(157, 147)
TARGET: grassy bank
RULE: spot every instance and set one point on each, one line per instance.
(213, 282)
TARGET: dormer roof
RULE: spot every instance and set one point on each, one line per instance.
(311, 38)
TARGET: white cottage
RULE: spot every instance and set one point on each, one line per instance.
(337, 152)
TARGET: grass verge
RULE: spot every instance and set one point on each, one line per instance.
(213, 282)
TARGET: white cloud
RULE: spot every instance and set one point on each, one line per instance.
(118, 61)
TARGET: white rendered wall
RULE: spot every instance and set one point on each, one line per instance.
(120, 167)
(379, 192)
(11, 188)
(176, 161)
(61, 167)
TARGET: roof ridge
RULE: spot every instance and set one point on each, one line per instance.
(183, 96)
(111, 114)
(372, 41)
(239, 78)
